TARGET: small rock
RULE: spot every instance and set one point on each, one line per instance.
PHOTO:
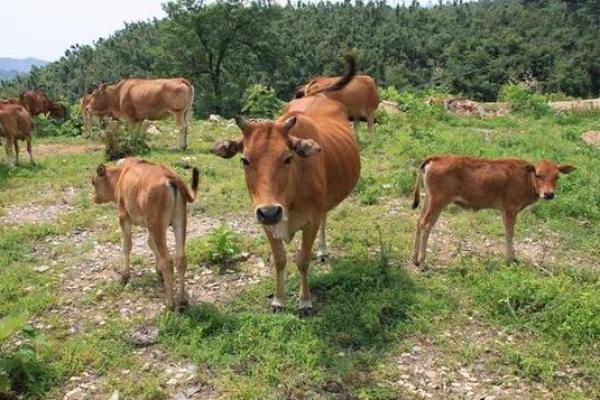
(42, 269)
(144, 335)
(114, 396)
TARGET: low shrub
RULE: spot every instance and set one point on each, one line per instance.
(121, 142)
(45, 126)
(260, 101)
(522, 100)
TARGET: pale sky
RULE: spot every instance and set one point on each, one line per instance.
(46, 28)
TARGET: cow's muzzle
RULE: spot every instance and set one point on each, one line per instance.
(548, 195)
(269, 215)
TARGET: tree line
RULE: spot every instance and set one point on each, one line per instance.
(470, 49)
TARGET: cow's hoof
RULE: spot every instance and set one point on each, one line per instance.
(124, 279)
(307, 312)
(182, 306)
(322, 257)
(160, 278)
(277, 309)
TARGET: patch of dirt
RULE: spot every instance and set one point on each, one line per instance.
(91, 288)
(445, 246)
(423, 372)
(30, 213)
(44, 150)
(592, 138)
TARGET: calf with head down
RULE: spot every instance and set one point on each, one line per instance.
(476, 183)
(155, 197)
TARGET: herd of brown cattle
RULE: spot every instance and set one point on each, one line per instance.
(297, 169)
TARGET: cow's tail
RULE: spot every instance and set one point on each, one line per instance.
(418, 183)
(344, 80)
(179, 186)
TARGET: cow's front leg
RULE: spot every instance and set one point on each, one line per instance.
(309, 233)
(509, 218)
(126, 236)
(279, 259)
(323, 254)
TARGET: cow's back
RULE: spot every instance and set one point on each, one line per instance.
(326, 122)
(144, 189)
(153, 98)
(16, 121)
(359, 96)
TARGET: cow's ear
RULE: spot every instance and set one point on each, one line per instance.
(228, 148)
(101, 170)
(304, 147)
(566, 169)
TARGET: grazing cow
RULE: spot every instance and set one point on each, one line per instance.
(477, 183)
(297, 168)
(37, 102)
(135, 100)
(15, 125)
(155, 197)
(360, 97)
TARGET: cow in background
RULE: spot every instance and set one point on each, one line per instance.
(15, 125)
(37, 102)
(297, 168)
(360, 97)
(135, 100)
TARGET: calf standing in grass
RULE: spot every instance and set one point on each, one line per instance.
(476, 183)
(153, 196)
(15, 125)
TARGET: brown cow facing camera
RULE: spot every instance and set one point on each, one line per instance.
(297, 168)
(476, 183)
(153, 196)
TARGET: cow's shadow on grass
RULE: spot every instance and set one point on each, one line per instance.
(364, 309)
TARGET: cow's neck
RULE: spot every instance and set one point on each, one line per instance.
(113, 179)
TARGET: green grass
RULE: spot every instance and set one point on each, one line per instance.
(371, 304)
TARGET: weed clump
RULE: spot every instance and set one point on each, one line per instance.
(121, 142)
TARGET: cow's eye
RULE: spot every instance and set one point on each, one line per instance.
(288, 159)
(245, 161)
(538, 176)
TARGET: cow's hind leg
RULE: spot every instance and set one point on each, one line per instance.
(428, 219)
(152, 246)
(159, 236)
(182, 124)
(16, 144)
(303, 261)
(8, 146)
(371, 122)
(356, 125)
(29, 149)
(126, 236)
(279, 258)
(179, 229)
(323, 254)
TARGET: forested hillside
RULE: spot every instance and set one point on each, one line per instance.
(223, 48)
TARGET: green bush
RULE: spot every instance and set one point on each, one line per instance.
(221, 246)
(522, 100)
(121, 142)
(260, 101)
(46, 127)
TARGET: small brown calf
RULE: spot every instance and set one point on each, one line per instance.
(477, 183)
(155, 197)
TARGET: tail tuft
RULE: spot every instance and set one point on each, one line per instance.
(195, 180)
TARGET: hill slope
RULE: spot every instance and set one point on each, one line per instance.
(11, 67)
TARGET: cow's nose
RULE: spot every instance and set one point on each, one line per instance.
(549, 195)
(269, 215)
